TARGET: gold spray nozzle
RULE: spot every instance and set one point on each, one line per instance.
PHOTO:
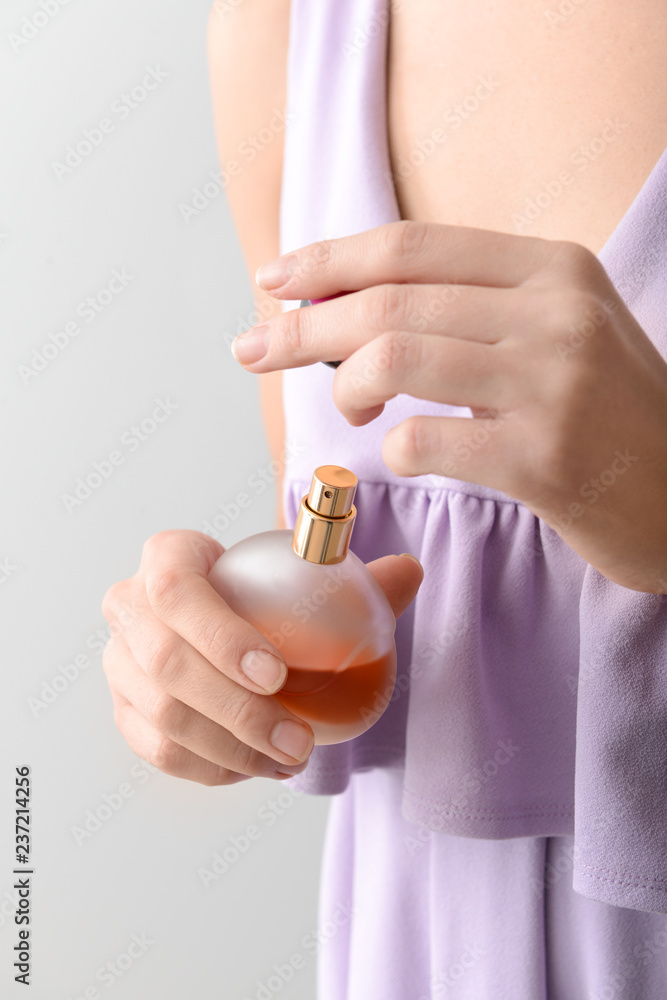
(326, 516)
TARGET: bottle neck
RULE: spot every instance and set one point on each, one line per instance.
(319, 538)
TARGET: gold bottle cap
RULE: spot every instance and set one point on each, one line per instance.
(326, 516)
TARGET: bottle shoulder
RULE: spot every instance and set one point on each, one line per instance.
(263, 570)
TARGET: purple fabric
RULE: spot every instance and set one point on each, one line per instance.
(406, 914)
(531, 699)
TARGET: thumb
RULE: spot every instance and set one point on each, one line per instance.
(400, 577)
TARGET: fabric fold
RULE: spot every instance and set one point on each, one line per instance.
(531, 697)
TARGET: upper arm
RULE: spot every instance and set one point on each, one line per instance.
(247, 56)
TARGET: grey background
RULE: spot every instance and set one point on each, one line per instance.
(165, 337)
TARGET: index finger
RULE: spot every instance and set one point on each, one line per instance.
(175, 565)
(406, 251)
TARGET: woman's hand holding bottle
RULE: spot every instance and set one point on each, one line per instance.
(176, 666)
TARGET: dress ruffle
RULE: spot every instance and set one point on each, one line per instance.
(482, 715)
(531, 697)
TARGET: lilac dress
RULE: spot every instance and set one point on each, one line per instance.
(501, 831)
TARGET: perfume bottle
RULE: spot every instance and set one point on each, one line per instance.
(321, 607)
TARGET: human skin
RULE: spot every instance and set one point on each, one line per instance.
(533, 331)
(174, 666)
(565, 418)
(557, 90)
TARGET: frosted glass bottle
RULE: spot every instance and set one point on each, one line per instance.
(318, 604)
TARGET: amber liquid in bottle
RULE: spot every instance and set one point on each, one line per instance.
(338, 697)
(321, 608)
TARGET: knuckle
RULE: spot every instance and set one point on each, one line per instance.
(166, 713)
(241, 710)
(218, 644)
(410, 441)
(184, 539)
(573, 309)
(405, 238)
(115, 599)
(576, 262)
(388, 306)
(317, 257)
(392, 352)
(162, 662)
(168, 756)
(248, 761)
(154, 545)
(293, 327)
(163, 589)
(203, 545)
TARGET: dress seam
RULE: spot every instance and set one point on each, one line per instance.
(462, 813)
(610, 871)
(424, 489)
(620, 881)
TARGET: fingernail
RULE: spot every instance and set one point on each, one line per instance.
(276, 273)
(251, 345)
(264, 669)
(409, 555)
(290, 770)
(292, 739)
